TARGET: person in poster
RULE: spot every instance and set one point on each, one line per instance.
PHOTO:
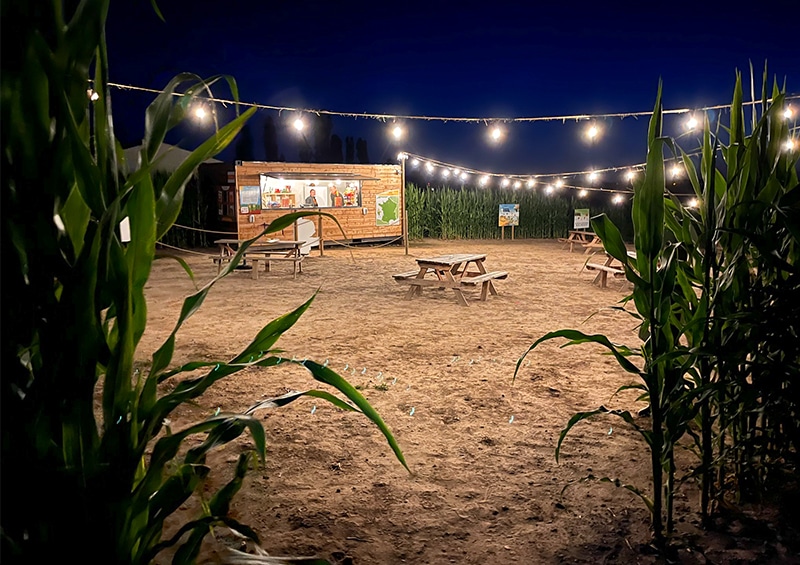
(311, 199)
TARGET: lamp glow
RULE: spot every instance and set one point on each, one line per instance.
(629, 175)
(415, 162)
(93, 95)
(559, 183)
(200, 113)
(592, 132)
(397, 132)
(506, 182)
(691, 123)
(675, 171)
(446, 173)
(790, 144)
(583, 193)
(531, 183)
(617, 199)
(787, 113)
(693, 203)
(464, 175)
(429, 167)
(592, 176)
(517, 184)
(484, 180)
(299, 124)
(496, 134)
(549, 189)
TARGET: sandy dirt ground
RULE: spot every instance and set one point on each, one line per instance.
(484, 486)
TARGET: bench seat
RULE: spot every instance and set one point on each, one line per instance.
(602, 276)
(405, 276)
(484, 277)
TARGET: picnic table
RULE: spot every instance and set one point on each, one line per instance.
(610, 266)
(264, 251)
(455, 271)
(589, 240)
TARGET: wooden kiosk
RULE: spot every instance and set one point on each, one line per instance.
(366, 199)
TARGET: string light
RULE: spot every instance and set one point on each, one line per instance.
(397, 132)
(676, 171)
(583, 193)
(496, 134)
(787, 113)
(592, 176)
(559, 183)
(549, 189)
(629, 176)
(92, 95)
(506, 182)
(617, 199)
(789, 145)
(693, 203)
(299, 125)
(531, 183)
(592, 132)
(200, 113)
(691, 123)
(517, 184)
(384, 117)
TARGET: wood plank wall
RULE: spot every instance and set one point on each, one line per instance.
(354, 222)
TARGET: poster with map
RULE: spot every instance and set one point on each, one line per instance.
(387, 208)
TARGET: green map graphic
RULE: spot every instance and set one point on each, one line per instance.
(386, 210)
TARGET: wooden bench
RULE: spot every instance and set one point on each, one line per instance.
(602, 276)
(485, 280)
(267, 258)
(405, 276)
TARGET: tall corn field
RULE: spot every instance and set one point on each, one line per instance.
(449, 213)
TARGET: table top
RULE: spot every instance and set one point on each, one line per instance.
(587, 232)
(259, 243)
(452, 259)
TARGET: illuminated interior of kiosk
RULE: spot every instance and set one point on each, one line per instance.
(279, 192)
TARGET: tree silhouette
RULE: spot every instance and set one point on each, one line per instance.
(361, 151)
(349, 152)
(336, 149)
(244, 145)
(323, 129)
(270, 140)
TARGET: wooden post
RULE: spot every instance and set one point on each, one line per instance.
(403, 158)
(319, 235)
(294, 231)
(502, 232)
(512, 233)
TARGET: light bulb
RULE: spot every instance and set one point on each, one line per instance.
(506, 182)
(531, 183)
(397, 132)
(299, 125)
(583, 193)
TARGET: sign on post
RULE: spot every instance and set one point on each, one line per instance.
(509, 216)
(581, 218)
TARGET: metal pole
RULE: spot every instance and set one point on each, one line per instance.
(403, 199)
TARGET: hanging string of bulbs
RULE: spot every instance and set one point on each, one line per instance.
(552, 182)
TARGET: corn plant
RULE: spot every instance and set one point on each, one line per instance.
(748, 224)
(90, 465)
(664, 364)
(713, 364)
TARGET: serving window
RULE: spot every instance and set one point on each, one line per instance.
(278, 192)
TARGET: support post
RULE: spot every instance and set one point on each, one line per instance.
(403, 158)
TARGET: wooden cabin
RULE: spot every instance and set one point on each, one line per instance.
(365, 199)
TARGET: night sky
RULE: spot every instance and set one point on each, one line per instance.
(457, 59)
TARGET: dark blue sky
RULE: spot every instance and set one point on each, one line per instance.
(458, 59)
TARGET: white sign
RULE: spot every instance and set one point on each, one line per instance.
(581, 218)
